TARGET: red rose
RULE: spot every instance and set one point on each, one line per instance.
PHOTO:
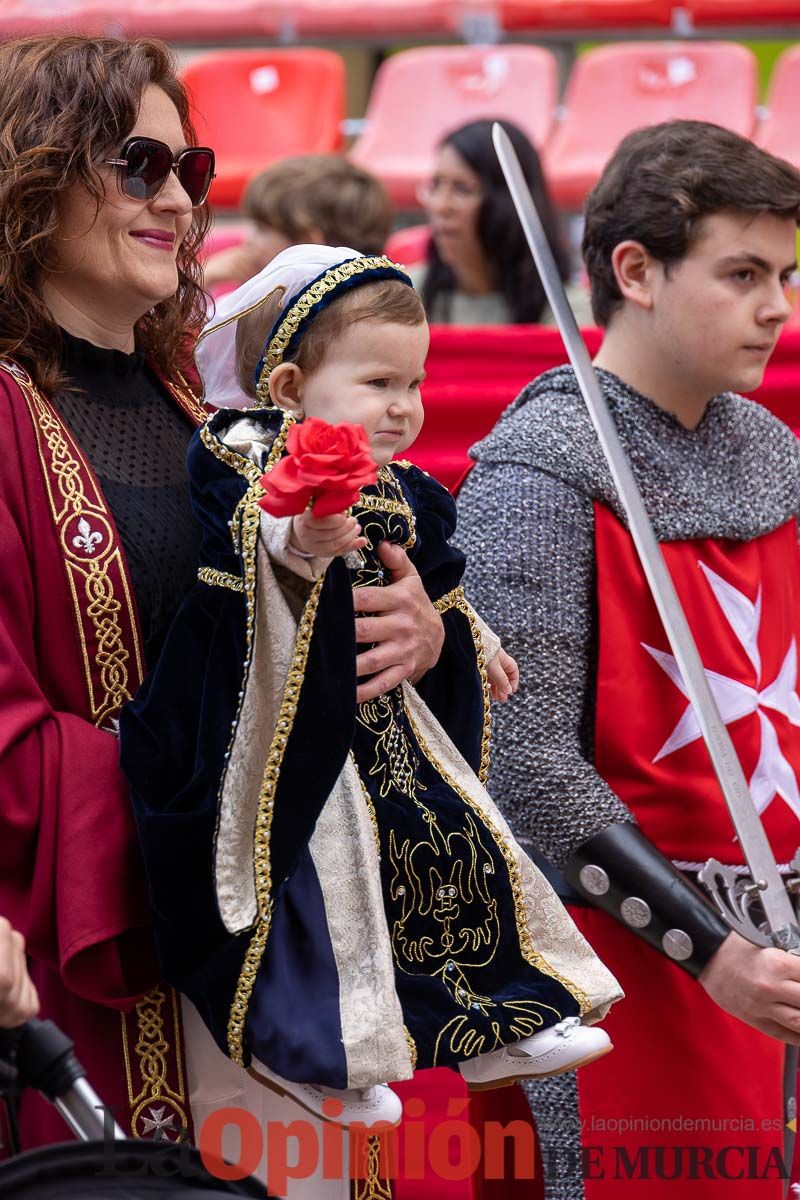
(326, 464)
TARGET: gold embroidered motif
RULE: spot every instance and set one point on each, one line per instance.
(529, 952)
(155, 1096)
(457, 599)
(223, 579)
(395, 761)
(372, 1186)
(294, 316)
(84, 529)
(244, 534)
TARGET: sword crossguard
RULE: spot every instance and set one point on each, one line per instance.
(733, 896)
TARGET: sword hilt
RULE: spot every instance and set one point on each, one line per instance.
(735, 897)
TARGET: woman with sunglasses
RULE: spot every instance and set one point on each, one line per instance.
(478, 269)
(101, 213)
(101, 194)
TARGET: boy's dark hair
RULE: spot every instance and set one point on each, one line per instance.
(659, 184)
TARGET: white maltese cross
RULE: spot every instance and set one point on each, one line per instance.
(774, 775)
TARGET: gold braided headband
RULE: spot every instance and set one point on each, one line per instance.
(301, 308)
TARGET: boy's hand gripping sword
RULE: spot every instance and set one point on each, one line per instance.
(732, 894)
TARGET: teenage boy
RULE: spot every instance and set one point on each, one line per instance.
(689, 245)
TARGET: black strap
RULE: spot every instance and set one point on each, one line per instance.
(621, 872)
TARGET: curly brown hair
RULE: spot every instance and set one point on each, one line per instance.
(66, 104)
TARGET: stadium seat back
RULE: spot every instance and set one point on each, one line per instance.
(618, 88)
(420, 95)
(255, 107)
(409, 245)
(743, 12)
(779, 131)
(571, 15)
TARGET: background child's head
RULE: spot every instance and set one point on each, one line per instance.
(319, 198)
(361, 359)
(662, 182)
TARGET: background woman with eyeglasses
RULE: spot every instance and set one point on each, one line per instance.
(101, 194)
(479, 269)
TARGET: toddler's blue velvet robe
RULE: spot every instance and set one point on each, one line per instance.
(331, 885)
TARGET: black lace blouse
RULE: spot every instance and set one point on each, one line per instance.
(135, 439)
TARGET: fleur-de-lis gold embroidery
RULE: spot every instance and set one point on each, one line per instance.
(86, 538)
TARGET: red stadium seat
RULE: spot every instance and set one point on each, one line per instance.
(19, 18)
(516, 15)
(353, 18)
(779, 131)
(419, 95)
(256, 106)
(615, 89)
(409, 245)
(203, 20)
(743, 12)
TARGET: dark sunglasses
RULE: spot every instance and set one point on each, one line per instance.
(147, 164)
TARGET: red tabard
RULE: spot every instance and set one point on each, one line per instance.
(691, 1097)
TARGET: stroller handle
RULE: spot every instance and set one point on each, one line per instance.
(44, 1060)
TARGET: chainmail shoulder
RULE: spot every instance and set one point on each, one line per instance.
(529, 541)
(736, 475)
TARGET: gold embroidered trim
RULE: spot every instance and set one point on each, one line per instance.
(186, 396)
(244, 534)
(370, 806)
(243, 466)
(529, 951)
(450, 600)
(381, 504)
(298, 312)
(412, 1048)
(266, 800)
(151, 1050)
(238, 315)
(84, 530)
(223, 579)
(372, 1186)
(457, 599)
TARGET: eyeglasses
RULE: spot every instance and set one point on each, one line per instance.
(459, 192)
(147, 164)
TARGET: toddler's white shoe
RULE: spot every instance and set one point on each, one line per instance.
(367, 1106)
(561, 1048)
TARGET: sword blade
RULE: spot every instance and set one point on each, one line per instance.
(746, 821)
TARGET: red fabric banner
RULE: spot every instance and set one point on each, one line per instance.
(473, 374)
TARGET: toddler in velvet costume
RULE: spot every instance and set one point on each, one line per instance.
(333, 887)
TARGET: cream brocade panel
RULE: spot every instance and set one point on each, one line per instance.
(345, 854)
